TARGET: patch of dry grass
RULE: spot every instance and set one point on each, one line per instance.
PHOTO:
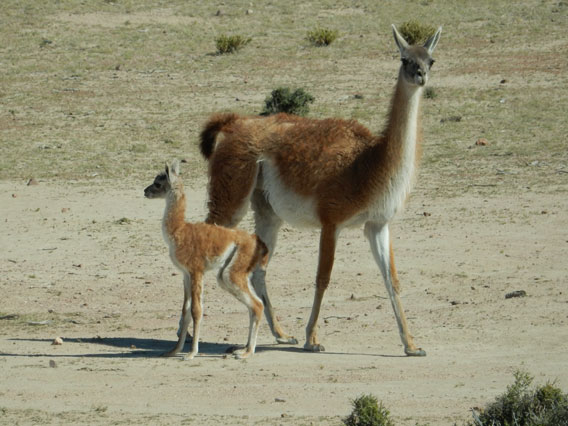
(110, 89)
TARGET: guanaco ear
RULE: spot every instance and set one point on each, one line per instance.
(400, 41)
(172, 171)
(175, 166)
(431, 43)
(170, 176)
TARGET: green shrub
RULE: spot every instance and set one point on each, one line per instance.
(522, 406)
(284, 100)
(430, 93)
(230, 44)
(416, 33)
(368, 412)
(322, 36)
(45, 42)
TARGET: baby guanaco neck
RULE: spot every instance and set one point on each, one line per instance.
(174, 215)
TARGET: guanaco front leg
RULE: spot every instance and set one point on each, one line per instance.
(381, 247)
(196, 313)
(184, 320)
(328, 240)
(186, 297)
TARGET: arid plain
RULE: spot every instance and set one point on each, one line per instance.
(95, 97)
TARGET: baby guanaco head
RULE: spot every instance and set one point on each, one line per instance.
(163, 182)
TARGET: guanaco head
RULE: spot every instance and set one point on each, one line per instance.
(164, 182)
(416, 60)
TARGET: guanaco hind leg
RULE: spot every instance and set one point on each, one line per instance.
(267, 225)
(238, 284)
(230, 187)
(255, 308)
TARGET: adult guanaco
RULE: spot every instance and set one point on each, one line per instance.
(329, 174)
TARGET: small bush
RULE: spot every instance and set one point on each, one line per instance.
(522, 406)
(415, 32)
(284, 100)
(322, 36)
(230, 44)
(368, 412)
(430, 93)
(139, 148)
(45, 42)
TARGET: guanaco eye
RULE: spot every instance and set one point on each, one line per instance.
(405, 61)
(158, 185)
(432, 62)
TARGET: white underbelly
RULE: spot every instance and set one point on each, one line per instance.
(301, 211)
(291, 207)
(384, 206)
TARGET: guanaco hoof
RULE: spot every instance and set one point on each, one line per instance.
(314, 348)
(415, 352)
(287, 340)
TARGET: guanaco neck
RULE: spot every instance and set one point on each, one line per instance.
(174, 215)
(389, 164)
(403, 134)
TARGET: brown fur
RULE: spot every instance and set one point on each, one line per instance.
(198, 247)
(348, 173)
(339, 162)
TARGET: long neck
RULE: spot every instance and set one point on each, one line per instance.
(174, 215)
(391, 162)
(404, 130)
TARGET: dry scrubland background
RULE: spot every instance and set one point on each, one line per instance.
(96, 95)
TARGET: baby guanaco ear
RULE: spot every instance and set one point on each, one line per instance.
(168, 172)
(175, 166)
(172, 171)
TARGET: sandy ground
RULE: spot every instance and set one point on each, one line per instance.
(87, 263)
(85, 260)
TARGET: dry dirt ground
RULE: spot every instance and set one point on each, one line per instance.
(88, 264)
(92, 104)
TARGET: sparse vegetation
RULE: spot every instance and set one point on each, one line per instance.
(522, 405)
(368, 412)
(148, 73)
(284, 100)
(123, 221)
(416, 33)
(519, 405)
(45, 42)
(231, 44)
(322, 36)
(139, 148)
(430, 93)
(100, 408)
